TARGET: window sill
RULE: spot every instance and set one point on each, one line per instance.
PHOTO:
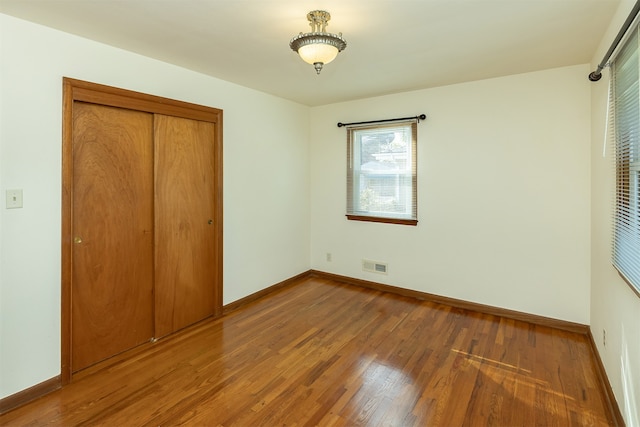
(383, 220)
(627, 281)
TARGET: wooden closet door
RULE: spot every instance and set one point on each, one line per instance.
(185, 258)
(112, 229)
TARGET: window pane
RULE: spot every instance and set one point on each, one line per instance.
(626, 119)
(381, 171)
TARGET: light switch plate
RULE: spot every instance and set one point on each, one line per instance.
(14, 199)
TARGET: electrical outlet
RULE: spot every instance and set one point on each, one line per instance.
(328, 256)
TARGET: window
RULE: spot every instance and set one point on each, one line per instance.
(625, 116)
(381, 173)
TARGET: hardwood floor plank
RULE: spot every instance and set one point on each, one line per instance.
(320, 352)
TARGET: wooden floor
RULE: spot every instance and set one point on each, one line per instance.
(328, 354)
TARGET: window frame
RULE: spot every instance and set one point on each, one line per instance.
(624, 121)
(355, 174)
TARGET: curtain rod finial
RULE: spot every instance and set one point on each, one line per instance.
(595, 76)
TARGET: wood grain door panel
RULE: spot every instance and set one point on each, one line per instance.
(109, 174)
(185, 258)
(112, 227)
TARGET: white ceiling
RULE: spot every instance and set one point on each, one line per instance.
(392, 45)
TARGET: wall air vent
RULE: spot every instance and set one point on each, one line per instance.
(374, 266)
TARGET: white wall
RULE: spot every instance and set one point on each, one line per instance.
(614, 306)
(266, 194)
(503, 194)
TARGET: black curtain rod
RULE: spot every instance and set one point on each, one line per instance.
(594, 76)
(418, 118)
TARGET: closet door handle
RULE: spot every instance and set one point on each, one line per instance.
(210, 222)
(77, 239)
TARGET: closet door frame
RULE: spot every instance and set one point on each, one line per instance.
(82, 91)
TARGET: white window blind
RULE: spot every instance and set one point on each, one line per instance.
(382, 173)
(625, 123)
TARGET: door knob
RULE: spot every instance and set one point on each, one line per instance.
(210, 222)
(77, 239)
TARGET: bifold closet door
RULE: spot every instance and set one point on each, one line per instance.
(184, 214)
(112, 231)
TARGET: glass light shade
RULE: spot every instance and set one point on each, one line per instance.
(318, 52)
(318, 47)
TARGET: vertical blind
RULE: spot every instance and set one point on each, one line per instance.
(624, 116)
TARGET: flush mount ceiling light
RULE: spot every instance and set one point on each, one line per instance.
(318, 47)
